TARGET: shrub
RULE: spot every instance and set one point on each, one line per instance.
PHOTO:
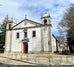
(1, 50)
(66, 52)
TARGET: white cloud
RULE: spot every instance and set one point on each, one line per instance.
(34, 9)
(72, 1)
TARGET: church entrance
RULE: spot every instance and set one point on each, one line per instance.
(25, 47)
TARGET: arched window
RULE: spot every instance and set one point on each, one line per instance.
(9, 26)
(45, 22)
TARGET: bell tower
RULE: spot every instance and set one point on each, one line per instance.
(8, 40)
(46, 19)
(10, 24)
(46, 44)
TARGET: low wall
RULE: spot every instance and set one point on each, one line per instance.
(45, 59)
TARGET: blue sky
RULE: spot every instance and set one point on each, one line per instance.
(34, 9)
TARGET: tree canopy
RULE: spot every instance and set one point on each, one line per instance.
(3, 30)
(67, 25)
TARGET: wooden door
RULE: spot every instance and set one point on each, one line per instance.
(25, 47)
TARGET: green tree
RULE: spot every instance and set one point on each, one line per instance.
(3, 30)
(67, 25)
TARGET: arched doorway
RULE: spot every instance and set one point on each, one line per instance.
(25, 47)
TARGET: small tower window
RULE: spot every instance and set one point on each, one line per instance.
(45, 22)
(9, 26)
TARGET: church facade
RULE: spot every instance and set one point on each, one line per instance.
(29, 36)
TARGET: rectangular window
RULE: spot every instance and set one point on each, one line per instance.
(17, 35)
(25, 34)
(33, 33)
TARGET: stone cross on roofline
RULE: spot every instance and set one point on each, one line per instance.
(25, 16)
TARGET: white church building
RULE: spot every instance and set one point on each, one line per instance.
(29, 36)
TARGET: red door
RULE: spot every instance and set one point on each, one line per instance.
(25, 47)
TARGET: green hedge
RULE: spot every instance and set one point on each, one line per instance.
(1, 50)
(65, 52)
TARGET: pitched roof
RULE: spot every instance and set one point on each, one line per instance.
(60, 38)
(54, 36)
(28, 20)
